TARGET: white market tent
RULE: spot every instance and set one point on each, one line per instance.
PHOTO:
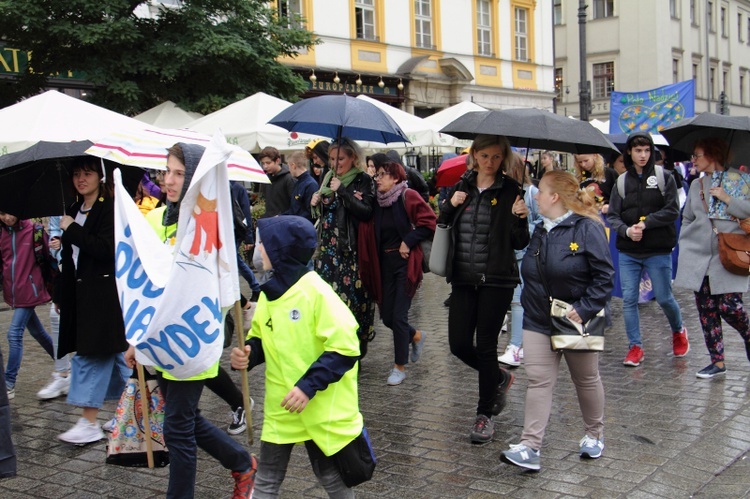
(447, 115)
(56, 117)
(245, 123)
(167, 115)
(419, 131)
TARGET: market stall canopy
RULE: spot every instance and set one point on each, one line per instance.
(56, 117)
(167, 115)
(245, 123)
(442, 118)
(419, 131)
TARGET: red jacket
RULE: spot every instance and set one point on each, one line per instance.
(23, 285)
(417, 214)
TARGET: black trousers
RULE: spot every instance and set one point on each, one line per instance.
(474, 320)
(396, 304)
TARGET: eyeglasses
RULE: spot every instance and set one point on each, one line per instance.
(379, 175)
(696, 156)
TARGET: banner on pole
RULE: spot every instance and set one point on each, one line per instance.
(651, 110)
(174, 298)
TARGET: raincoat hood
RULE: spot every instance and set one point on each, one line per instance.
(628, 145)
(193, 154)
(289, 241)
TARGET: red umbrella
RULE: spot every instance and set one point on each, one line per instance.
(450, 171)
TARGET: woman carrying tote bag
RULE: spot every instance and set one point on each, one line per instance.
(569, 251)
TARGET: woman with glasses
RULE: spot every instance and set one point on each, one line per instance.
(345, 199)
(392, 259)
(715, 202)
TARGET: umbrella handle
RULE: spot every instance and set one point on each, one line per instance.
(62, 187)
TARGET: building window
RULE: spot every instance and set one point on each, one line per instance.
(711, 83)
(693, 16)
(484, 28)
(559, 84)
(423, 23)
(723, 20)
(364, 12)
(724, 81)
(710, 14)
(740, 32)
(673, 8)
(291, 9)
(603, 8)
(742, 89)
(675, 70)
(604, 79)
(522, 53)
(695, 78)
(557, 12)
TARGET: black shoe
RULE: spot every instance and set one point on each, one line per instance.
(506, 379)
(447, 301)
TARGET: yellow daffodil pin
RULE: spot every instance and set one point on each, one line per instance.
(574, 247)
(493, 202)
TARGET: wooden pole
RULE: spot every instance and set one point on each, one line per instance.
(241, 333)
(145, 399)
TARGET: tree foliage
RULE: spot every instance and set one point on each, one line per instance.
(201, 54)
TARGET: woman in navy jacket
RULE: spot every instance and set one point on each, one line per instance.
(568, 251)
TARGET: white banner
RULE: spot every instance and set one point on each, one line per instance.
(174, 298)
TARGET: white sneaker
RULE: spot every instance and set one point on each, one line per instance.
(109, 426)
(82, 433)
(510, 357)
(58, 386)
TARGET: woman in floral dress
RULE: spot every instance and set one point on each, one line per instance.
(345, 198)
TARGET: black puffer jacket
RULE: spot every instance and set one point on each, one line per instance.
(352, 210)
(580, 276)
(485, 233)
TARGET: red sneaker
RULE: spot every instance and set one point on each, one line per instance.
(634, 357)
(244, 482)
(680, 343)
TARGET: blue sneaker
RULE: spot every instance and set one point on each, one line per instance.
(591, 448)
(711, 371)
(522, 456)
(417, 347)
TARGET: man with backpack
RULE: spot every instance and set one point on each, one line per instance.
(642, 212)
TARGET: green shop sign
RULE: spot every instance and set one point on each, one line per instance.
(15, 61)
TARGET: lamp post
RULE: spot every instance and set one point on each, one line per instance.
(584, 92)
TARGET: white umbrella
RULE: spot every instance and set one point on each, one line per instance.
(148, 149)
(167, 115)
(245, 123)
(56, 117)
(419, 131)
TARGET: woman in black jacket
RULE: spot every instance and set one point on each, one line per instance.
(569, 252)
(91, 323)
(488, 216)
(346, 197)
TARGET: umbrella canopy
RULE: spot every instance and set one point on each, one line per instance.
(336, 116)
(533, 129)
(620, 139)
(450, 171)
(56, 117)
(735, 130)
(36, 182)
(148, 149)
(245, 123)
(167, 115)
(420, 131)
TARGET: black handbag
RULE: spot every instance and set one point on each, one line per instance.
(566, 334)
(356, 461)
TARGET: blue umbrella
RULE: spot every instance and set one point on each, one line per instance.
(337, 116)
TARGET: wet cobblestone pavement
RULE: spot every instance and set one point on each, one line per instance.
(667, 433)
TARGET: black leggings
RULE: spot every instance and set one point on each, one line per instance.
(223, 386)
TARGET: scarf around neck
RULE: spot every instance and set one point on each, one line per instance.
(346, 179)
(386, 199)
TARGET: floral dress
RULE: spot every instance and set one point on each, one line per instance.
(340, 269)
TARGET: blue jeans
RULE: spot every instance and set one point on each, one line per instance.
(659, 268)
(24, 317)
(273, 463)
(516, 313)
(61, 365)
(185, 429)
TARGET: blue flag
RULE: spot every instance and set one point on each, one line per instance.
(652, 110)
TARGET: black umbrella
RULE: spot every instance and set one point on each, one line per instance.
(673, 155)
(35, 182)
(735, 130)
(533, 129)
